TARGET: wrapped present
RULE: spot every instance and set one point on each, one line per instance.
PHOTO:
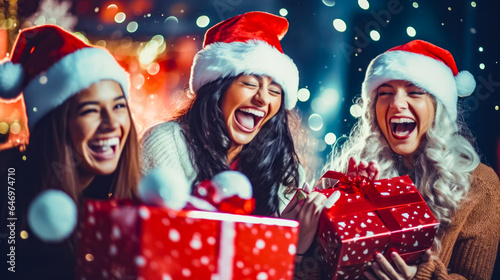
(119, 240)
(383, 216)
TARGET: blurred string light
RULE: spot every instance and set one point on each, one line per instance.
(120, 17)
(363, 4)
(356, 110)
(81, 36)
(339, 25)
(330, 138)
(315, 122)
(374, 35)
(473, 4)
(496, 108)
(303, 94)
(481, 66)
(112, 6)
(415, 5)
(132, 27)
(283, 12)
(329, 3)
(411, 31)
(481, 49)
(203, 21)
(171, 19)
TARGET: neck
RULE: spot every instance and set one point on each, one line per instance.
(84, 180)
(233, 152)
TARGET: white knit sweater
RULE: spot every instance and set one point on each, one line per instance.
(164, 145)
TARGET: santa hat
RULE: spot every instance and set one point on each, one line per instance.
(50, 65)
(427, 66)
(246, 44)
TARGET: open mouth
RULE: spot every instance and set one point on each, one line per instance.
(402, 127)
(248, 119)
(104, 148)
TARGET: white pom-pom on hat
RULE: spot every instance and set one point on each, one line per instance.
(232, 183)
(52, 216)
(465, 83)
(11, 79)
(165, 187)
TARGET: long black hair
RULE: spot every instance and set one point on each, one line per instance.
(268, 160)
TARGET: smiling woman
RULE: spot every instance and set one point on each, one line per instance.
(410, 126)
(82, 138)
(243, 88)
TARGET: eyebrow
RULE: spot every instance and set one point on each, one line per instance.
(385, 85)
(83, 104)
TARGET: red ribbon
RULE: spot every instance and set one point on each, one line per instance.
(234, 204)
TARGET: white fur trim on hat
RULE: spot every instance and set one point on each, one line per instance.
(11, 79)
(219, 60)
(67, 77)
(427, 73)
(465, 83)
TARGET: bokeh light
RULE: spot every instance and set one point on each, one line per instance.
(411, 31)
(4, 128)
(132, 26)
(283, 12)
(482, 66)
(415, 5)
(481, 49)
(339, 25)
(329, 3)
(120, 17)
(363, 4)
(203, 21)
(15, 128)
(326, 102)
(374, 35)
(303, 94)
(330, 138)
(473, 4)
(315, 122)
(356, 110)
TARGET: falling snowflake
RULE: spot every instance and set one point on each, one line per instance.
(53, 12)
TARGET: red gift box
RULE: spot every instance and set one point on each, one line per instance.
(119, 240)
(370, 217)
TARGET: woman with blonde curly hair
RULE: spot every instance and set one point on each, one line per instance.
(410, 126)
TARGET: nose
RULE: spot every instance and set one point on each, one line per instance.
(262, 97)
(399, 101)
(108, 122)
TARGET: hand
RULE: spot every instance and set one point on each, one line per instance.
(384, 270)
(307, 213)
(368, 169)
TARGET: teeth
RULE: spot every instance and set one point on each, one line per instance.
(253, 112)
(106, 142)
(402, 120)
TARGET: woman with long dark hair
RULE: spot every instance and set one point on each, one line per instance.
(243, 88)
(411, 126)
(82, 137)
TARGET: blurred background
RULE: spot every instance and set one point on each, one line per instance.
(331, 42)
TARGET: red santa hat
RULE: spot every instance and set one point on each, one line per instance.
(50, 65)
(427, 66)
(246, 44)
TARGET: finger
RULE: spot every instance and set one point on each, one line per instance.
(352, 168)
(292, 208)
(362, 168)
(379, 271)
(329, 202)
(386, 266)
(306, 188)
(401, 265)
(373, 170)
(369, 275)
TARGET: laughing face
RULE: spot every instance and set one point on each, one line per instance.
(248, 104)
(99, 125)
(404, 114)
